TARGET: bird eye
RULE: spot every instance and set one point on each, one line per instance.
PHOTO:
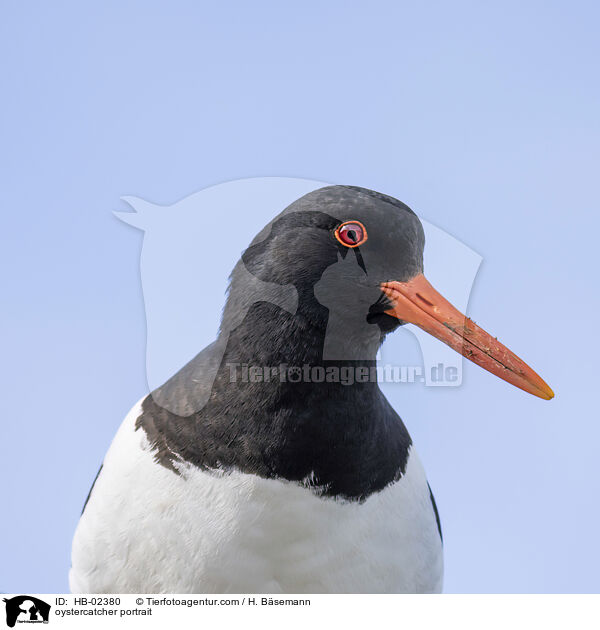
(351, 234)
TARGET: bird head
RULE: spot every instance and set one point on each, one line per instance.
(356, 256)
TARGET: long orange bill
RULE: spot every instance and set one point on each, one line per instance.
(417, 302)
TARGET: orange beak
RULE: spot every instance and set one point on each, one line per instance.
(417, 302)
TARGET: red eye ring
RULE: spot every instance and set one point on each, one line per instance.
(351, 233)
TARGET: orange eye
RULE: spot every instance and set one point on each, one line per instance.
(351, 234)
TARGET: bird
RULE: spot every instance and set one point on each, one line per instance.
(272, 462)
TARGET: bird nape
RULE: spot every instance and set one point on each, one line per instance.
(272, 462)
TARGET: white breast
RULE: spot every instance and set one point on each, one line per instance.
(147, 529)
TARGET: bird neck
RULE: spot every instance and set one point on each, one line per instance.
(303, 355)
(311, 335)
(277, 407)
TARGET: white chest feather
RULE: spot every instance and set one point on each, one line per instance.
(147, 529)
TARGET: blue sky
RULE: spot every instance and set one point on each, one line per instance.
(483, 117)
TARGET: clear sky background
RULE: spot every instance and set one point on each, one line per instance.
(483, 117)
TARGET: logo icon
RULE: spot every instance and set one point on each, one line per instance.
(171, 258)
(26, 609)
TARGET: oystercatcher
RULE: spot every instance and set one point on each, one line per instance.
(272, 462)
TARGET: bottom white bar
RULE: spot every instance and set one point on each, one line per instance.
(295, 611)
